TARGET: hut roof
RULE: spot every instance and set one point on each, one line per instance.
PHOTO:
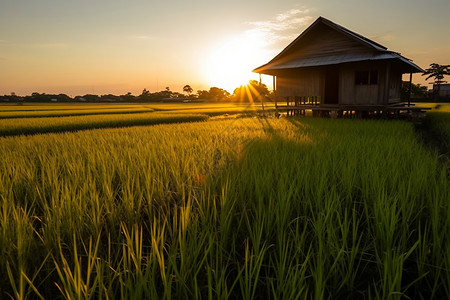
(326, 43)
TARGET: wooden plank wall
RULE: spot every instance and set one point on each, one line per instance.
(311, 83)
(362, 94)
(300, 83)
(395, 86)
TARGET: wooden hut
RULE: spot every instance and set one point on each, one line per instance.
(330, 68)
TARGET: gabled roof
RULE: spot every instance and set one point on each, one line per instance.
(291, 57)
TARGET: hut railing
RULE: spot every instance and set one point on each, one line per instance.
(302, 100)
(297, 105)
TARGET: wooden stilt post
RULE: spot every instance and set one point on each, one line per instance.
(275, 95)
(262, 99)
(409, 89)
(287, 104)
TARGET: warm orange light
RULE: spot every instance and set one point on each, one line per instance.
(230, 64)
(249, 93)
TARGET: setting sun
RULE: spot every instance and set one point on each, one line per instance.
(230, 63)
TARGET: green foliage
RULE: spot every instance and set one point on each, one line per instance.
(437, 72)
(417, 91)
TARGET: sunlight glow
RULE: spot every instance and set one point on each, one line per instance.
(230, 64)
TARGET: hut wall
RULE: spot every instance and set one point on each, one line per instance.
(363, 84)
(395, 86)
(300, 83)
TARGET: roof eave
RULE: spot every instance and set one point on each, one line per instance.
(410, 67)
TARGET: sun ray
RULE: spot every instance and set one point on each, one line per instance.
(249, 94)
(254, 91)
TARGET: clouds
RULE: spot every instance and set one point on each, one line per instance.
(284, 26)
(293, 12)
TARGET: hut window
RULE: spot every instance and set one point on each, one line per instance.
(366, 77)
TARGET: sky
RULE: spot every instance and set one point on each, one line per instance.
(111, 46)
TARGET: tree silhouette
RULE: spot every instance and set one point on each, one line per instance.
(437, 72)
(218, 94)
(187, 89)
(417, 90)
(202, 94)
(167, 93)
(252, 92)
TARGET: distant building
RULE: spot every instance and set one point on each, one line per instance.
(331, 67)
(444, 90)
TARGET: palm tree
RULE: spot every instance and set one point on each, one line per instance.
(438, 72)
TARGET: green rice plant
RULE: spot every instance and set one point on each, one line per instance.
(219, 110)
(24, 107)
(10, 127)
(289, 278)
(18, 233)
(77, 283)
(435, 107)
(249, 273)
(206, 106)
(439, 123)
(71, 112)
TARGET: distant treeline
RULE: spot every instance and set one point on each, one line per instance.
(253, 92)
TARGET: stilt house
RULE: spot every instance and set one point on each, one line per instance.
(330, 68)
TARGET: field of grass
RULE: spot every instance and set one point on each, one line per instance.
(9, 127)
(435, 107)
(68, 107)
(63, 106)
(71, 112)
(244, 208)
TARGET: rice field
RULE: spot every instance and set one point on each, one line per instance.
(9, 127)
(246, 208)
(439, 122)
(11, 107)
(71, 112)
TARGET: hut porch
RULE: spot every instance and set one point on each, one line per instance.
(298, 105)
